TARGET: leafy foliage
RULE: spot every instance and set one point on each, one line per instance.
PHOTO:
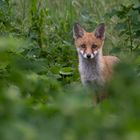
(40, 92)
(128, 25)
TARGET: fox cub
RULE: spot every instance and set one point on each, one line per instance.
(93, 66)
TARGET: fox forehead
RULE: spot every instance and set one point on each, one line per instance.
(88, 39)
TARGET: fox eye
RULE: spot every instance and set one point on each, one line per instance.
(94, 46)
(83, 46)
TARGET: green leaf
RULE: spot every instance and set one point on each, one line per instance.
(66, 71)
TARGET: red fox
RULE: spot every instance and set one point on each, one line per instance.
(93, 66)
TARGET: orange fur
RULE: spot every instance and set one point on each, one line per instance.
(93, 66)
(107, 62)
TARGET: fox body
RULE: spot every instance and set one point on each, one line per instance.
(93, 66)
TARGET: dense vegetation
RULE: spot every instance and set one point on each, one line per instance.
(41, 97)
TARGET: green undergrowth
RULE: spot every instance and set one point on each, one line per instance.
(41, 96)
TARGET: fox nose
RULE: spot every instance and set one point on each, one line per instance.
(88, 55)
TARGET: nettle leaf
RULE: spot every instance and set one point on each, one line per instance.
(14, 45)
(137, 7)
(55, 69)
(121, 26)
(137, 33)
(123, 12)
(115, 50)
(36, 65)
(111, 14)
(66, 71)
(134, 16)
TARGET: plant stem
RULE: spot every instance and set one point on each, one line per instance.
(130, 34)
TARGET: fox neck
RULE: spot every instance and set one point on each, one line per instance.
(90, 69)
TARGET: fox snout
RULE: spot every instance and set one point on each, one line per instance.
(88, 55)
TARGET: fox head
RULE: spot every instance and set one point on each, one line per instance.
(89, 44)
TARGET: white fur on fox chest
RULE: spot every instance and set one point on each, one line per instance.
(89, 70)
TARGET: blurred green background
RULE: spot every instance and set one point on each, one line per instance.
(41, 97)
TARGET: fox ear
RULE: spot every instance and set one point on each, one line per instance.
(78, 31)
(100, 31)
